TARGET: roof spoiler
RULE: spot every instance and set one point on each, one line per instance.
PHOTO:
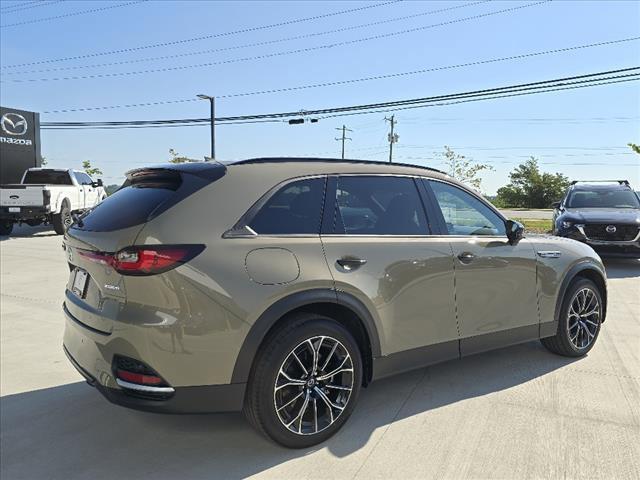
(621, 182)
(210, 170)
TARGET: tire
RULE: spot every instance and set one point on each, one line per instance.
(272, 401)
(6, 228)
(61, 221)
(580, 299)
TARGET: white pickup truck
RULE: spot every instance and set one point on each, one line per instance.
(47, 195)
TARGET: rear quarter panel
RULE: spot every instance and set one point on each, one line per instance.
(213, 301)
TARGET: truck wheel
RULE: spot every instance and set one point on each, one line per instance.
(6, 228)
(63, 220)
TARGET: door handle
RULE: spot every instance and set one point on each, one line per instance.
(466, 257)
(350, 263)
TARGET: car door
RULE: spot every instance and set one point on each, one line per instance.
(90, 192)
(377, 242)
(496, 291)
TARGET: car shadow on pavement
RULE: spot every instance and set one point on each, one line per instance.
(23, 231)
(622, 268)
(70, 431)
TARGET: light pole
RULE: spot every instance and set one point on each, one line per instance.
(212, 101)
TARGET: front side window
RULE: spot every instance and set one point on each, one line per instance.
(379, 205)
(83, 178)
(294, 209)
(464, 214)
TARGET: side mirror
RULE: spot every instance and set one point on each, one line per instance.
(555, 205)
(97, 183)
(515, 231)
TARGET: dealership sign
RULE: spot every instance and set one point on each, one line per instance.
(19, 143)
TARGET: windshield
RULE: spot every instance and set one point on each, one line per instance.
(603, 199)
(47, 177)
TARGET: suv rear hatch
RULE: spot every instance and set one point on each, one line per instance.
(95, 242)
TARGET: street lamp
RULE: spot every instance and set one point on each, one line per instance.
(212, 101)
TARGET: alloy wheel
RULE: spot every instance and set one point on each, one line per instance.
(313, 385)
(583, 318)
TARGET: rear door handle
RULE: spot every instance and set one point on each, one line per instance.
(466, 257)
(350, 263)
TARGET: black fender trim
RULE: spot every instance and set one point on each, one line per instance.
(550, 328)
(271, 315)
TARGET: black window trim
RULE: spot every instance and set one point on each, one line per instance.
(442, 225)
(331, 208)
(241, 229)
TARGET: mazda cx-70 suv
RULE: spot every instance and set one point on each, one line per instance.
(282, 287)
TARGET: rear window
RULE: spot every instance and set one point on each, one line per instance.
(146, 194)
(47, 177)
(129, 206)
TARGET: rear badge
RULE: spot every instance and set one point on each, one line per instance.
(111, 287)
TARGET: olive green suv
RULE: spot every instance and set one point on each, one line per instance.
(281, 287)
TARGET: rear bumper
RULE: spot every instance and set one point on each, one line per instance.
(90, 351)
(25, 213)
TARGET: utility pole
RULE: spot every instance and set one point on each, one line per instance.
(344, 137)
(212, 101)
(393, 137)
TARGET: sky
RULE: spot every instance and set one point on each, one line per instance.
(582, 133)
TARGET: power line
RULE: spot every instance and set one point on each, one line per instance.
(356, 80)
(246, 45)
(27, 6)
(579, 81)
(72, 14)
(276, 54)
(207, 37)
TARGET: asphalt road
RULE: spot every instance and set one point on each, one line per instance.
(519, 412)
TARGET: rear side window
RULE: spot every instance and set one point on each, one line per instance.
(47, 177)
(294, 209)
(379, 205)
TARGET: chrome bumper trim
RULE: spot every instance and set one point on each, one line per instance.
(144, 388)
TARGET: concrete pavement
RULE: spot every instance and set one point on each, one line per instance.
(519, 412)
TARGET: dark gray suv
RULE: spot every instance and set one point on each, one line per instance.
(281, 287)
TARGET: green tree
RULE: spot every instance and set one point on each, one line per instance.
(634, 147)
(89, 170)
(177, 158)
(462, 168)
(531, 188)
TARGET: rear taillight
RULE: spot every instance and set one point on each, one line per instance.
(46, 197)
(145, 260)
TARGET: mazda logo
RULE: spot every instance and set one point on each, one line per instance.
(13, 124)
(611, 229)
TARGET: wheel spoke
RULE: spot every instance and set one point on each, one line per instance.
(290, 402)
(315, 414)
(327, 400)
(333, 349)
(300, 363)
(338, 387)
(334, 372)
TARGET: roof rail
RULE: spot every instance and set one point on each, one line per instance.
(621, 182)
(328, 160)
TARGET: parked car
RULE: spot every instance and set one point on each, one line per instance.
(605, 215)
(47, 195)
(281, 287)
